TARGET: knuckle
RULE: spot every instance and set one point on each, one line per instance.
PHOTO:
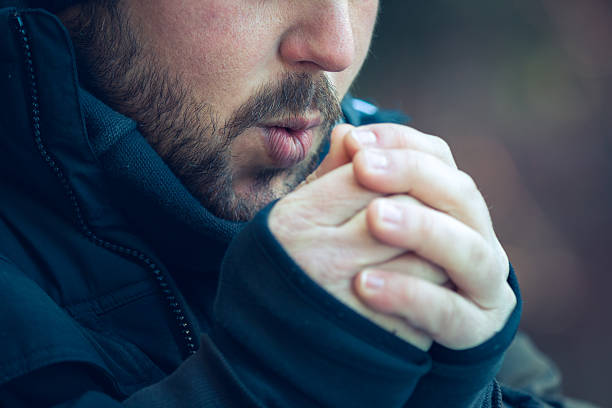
(504, 263)
(468, 193)
(479, 254)
(467, 184)
(507, 303)
(329, 270)
(290, 217)
(495, 273)
(424, 228)
(405, 136)
(374, 215)
(411, 162)
(407, 296)
(445, 319)
(331, 264)
(441, 148)
(482, 257)
(510, 299)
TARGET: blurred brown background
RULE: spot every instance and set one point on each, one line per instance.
(521, 90)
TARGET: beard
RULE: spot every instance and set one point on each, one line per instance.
(186, 132)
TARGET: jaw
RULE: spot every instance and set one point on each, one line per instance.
(256, 180)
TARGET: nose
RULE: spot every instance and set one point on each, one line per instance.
(322, 37)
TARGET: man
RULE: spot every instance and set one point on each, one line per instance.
(165, 242)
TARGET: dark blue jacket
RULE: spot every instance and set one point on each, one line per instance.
(119, 288)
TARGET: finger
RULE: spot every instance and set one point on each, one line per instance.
(317, 204)
(450, 319)
(410, 264)
(393, 136)
(329, 200)
(337, 155)
(366, 249)
(427, 178)
(471, 262)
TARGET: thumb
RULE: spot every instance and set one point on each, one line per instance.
(337, 155)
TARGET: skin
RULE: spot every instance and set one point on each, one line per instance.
(225, 50)
(203, 78)
(436, 274)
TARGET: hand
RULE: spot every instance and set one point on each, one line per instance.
(452, 230)
(322, 226)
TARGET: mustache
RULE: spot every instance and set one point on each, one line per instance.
(294, 95)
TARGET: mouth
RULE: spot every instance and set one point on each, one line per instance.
(289, 141)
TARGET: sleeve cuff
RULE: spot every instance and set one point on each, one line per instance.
(286, 336)
(492, 348)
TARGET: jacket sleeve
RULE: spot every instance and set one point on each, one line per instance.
(466, 378)
(292, 344)
(277, 340)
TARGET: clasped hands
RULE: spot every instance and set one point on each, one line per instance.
(389, 226)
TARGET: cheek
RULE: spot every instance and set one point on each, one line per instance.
(365, 20)
(205, 41)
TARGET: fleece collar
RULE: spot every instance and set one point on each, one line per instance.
(53, 6)
(107, 162)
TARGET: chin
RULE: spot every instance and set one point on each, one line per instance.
(241, 196)
(251, 196)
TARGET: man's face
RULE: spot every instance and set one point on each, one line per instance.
(236, 96)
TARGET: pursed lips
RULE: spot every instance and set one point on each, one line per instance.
(289, 141)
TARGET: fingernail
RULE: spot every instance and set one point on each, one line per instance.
(372, 282)
(389, 213)
(364, 137)
(375, 160)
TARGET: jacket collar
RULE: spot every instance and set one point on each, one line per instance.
(51, 5)
(70, 152)
(118, 180)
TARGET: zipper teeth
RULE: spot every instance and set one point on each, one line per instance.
(497, 400)
(133, 255)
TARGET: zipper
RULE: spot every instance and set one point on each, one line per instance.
(497, 397)
(133, 255)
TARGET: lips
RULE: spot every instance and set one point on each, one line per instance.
(288, 142)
